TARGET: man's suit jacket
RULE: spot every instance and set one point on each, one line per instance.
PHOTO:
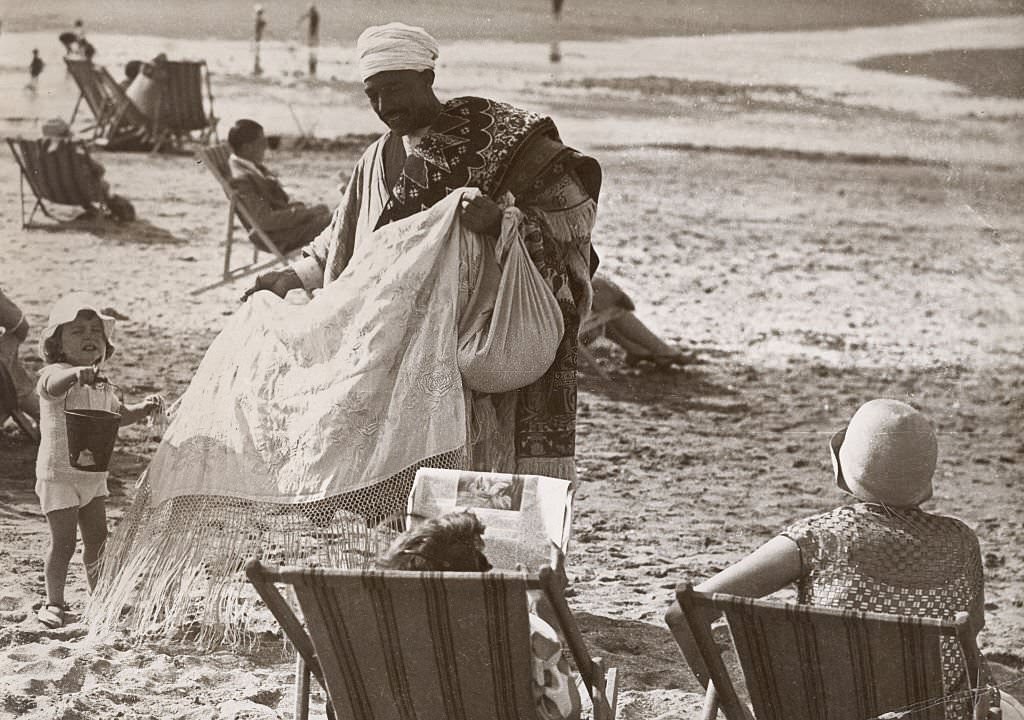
(263, 195)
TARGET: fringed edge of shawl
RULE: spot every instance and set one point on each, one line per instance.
(175, 571)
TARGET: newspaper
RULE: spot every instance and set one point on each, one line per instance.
(528, 517)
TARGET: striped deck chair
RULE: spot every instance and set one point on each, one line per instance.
(57, 172)
(90, 89)
(120, 124)
(215, 159)
(180, 103)
(801, 662)
(390, 645)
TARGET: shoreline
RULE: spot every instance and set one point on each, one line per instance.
(788, 92)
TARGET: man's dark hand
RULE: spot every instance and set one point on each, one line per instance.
(481, 215)
(278, 282)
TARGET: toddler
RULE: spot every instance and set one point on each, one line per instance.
(75, 342)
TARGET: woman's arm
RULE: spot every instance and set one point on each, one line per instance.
(769, 568)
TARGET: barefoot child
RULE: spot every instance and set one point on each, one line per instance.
(75, 342)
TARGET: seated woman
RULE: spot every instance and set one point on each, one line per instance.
(881, 553)
(289, 224)
(455, 543)
(56, 135)
(629, 332)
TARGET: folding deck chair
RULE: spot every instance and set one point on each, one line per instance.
(215, 158)
(120, 124)
(387, 645)
(180, 111)
(801, 662)
(57, 172)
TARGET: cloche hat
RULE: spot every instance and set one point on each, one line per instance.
(886, 454)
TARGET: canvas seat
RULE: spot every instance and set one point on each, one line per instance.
(801, 662)
(215, 159)
(180, 113)
(388, 645)
(57, 172)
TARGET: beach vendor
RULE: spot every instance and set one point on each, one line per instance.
(429, 327)
(430, 149)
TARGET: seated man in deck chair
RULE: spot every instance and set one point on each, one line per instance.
(289, 224)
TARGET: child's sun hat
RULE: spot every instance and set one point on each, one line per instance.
(66, 309)
(887, 454)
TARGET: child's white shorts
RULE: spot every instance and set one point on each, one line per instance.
(62, 494)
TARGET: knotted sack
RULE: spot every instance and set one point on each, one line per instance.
(513, 344)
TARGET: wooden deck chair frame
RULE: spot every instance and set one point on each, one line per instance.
(63, 180)
(592, 325)
(320, 649)
(215, 159)
(802, 662)
(9, 406)
(112, 108)
(89, 89)
(180, 110)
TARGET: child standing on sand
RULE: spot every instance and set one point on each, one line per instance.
(76, 340)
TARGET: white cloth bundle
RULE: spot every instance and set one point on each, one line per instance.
(514, 344)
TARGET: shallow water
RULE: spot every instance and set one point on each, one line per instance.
(790, 90)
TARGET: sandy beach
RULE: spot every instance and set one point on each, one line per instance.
(822, 215)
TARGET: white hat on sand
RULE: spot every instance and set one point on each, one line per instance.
(395, 46)
(66, 309)
(887, 454)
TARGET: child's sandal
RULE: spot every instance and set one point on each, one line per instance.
(52, 615)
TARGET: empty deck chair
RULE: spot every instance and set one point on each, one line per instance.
(57, 172)
(215, 158)
(180, 106)
(802, 662)
(388, 645)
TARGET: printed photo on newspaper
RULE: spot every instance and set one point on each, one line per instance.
(526, 516)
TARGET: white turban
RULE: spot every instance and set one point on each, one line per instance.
(395, 46)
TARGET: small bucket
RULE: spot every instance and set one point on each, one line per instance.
(91, 437)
